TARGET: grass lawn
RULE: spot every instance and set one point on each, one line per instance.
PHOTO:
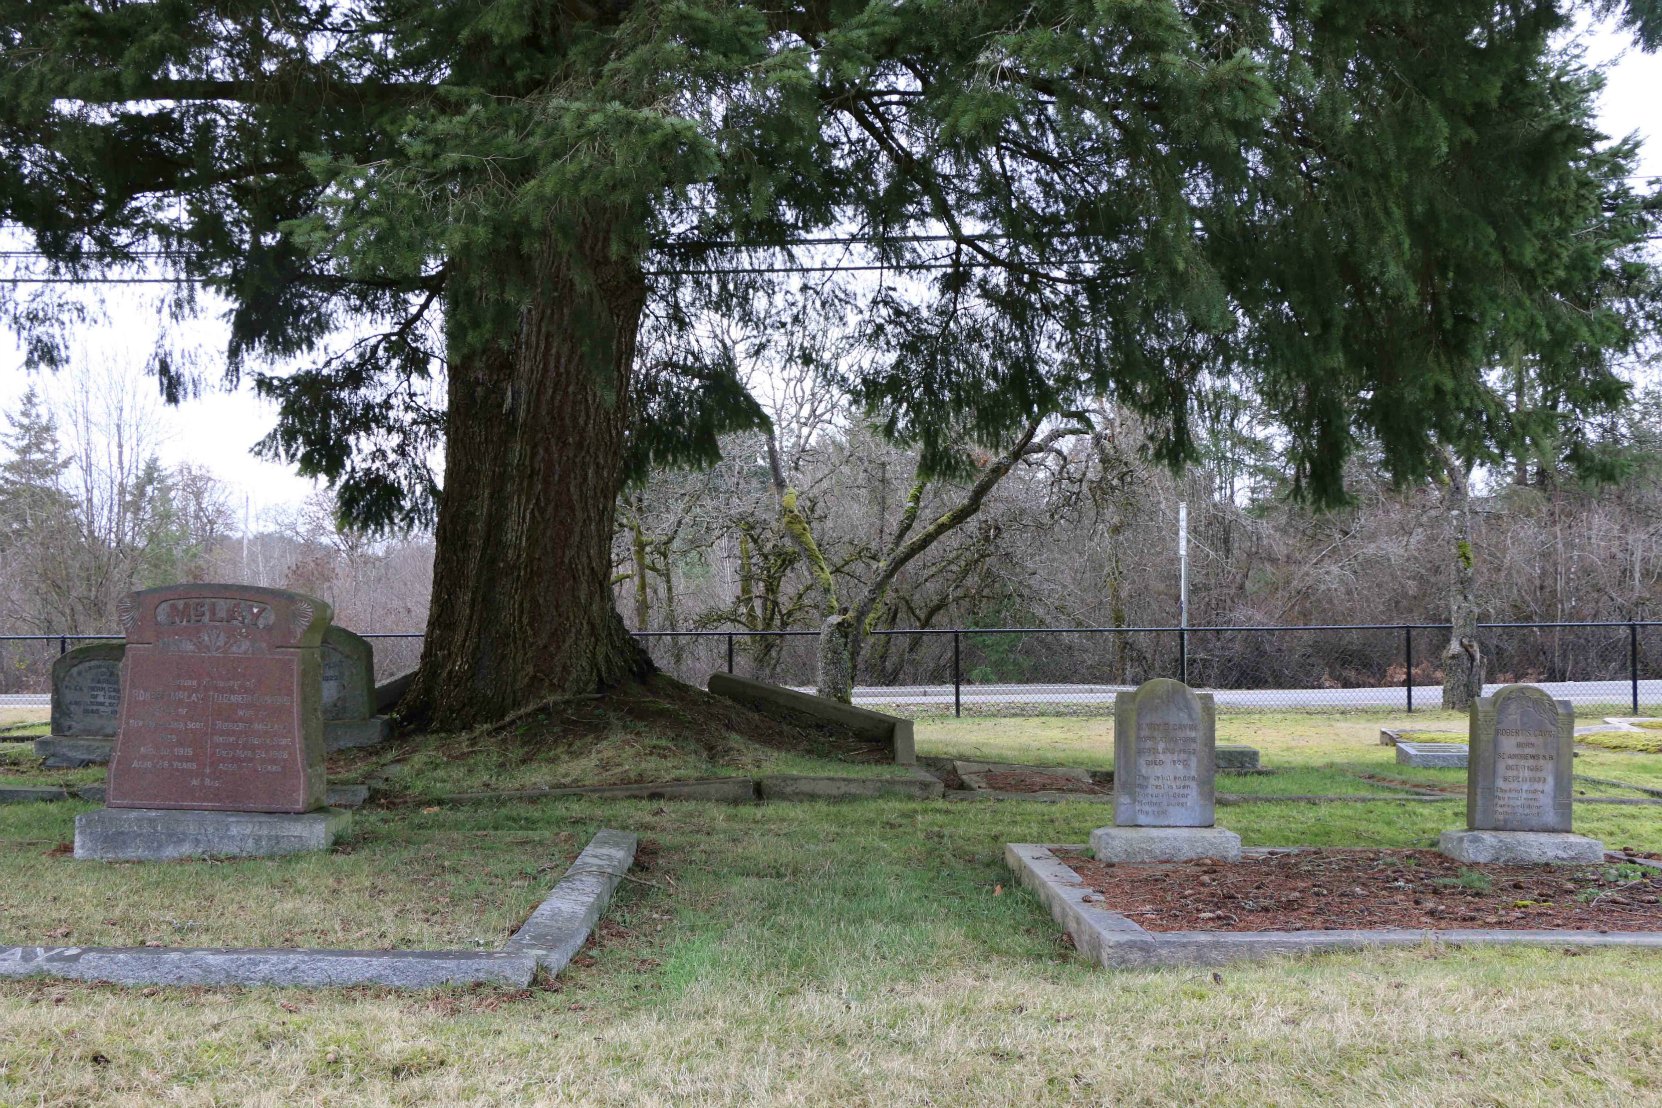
(868, 952)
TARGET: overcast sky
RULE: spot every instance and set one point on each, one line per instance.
(218, 430)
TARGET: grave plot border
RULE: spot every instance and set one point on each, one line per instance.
(547, 941)
(1114, 941)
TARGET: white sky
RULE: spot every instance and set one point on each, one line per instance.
(219, 430)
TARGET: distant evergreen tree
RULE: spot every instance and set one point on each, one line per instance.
(1354, 208)
(33, 504)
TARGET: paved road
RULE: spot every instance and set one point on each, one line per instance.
(940, 696)
(1425, 696)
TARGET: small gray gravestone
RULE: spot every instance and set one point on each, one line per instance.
(1518, 783)
(86, 705)
(1164, 768)
(349, 718)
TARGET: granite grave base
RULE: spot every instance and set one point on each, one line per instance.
(1235, 758)
(1164, 844)
(161, 835)
(1432, 755)
(1521, 848)
(63, 752)
(349, 734)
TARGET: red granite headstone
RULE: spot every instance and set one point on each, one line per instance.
(221, 705)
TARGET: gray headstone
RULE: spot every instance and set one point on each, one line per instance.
(1520, 771)
(86, 691)
(348, 675)
(1164, 756)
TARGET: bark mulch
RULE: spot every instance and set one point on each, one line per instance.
(1332, 889)
(1030, 781)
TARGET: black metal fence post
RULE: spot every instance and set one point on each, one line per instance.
(957, 676)
(63, 645)
(1408, 664)
(1633, 663)
(1183, 654)
(729, 652)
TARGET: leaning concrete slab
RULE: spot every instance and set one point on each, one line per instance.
(891, 731)
(406, 969)
(1113, 940)
(161, 835)
(562, 922)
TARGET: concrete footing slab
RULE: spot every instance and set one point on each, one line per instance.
(349, 734)
(1111, 939)
(61, 752)
(1229, 757)
(1521, 848)
(1443, 755)
(1164, 844)
(161, 835)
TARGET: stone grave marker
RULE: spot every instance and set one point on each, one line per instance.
(1518, 783)
(86, 705)
(1165, 745)
(221, 716)
(349, 718)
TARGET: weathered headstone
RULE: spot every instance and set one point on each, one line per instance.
(1518, 783)
(86, 705)
(1165, 746)
(221, 717)
(349, 718)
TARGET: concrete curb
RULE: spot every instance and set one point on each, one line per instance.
(1116, 942)
(406, 969)
(547, 940)
(340, 796)
(731, 790)
(921, 785)
(562, 922)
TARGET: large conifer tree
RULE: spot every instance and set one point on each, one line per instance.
(1344, 204)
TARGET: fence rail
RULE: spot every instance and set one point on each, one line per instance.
(1013, 670)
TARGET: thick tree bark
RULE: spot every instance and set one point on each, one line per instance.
(535, 436)
(1463, 661)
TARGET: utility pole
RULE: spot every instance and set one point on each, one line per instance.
(1183, 591)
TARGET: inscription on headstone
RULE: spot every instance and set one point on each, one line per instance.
(1519, 772)
(86, 691)
(221, 706)
(1164, 756)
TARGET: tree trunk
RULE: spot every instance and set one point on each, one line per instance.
(522, 606)
(837, 643)
(1463, 657)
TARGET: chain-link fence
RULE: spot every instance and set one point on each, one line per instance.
(1603, 668)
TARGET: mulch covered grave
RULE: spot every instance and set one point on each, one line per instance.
(1332, 889)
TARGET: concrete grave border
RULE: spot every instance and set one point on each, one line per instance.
(547, 940)
(1115, 941)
